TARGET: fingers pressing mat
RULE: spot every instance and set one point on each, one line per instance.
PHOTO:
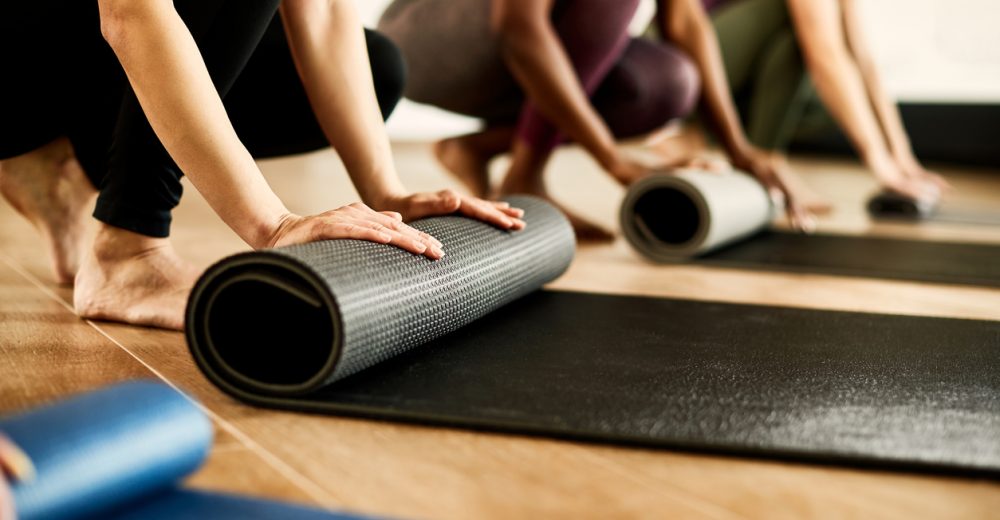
(121, 453)
(721, 219)
(356, 328)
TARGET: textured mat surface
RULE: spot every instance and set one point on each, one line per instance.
(291, 320)
(120, 452)
(847, 388)
(861, 256)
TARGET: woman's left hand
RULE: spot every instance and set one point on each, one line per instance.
(444, 202)
(912, 168)
(761, 165)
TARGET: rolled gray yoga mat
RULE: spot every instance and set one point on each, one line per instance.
(721, 220)
(341, 306)
(682, 215)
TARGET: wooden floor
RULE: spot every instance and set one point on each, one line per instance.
(413, 471)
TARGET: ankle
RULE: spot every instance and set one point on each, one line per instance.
(114, 244)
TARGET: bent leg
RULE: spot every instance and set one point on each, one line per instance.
(142, 185)
(132, 273)
(745, 30)
(779, 96)
(594, 34)
(268, 105)
(58, 84)
(652, 84)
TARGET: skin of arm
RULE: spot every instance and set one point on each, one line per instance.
(173, 86)
(327, 43)
(328, 47)
(885, 107)
(686, 23)
(536, 57)
(820, 30)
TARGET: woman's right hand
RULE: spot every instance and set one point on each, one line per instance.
(359, 222)
(917, 185)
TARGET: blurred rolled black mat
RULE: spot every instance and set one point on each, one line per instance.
(833, 387)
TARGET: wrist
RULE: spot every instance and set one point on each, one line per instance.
(379, 187)
(738, 149)
(384, 199)
(266, 231)
(608, 158)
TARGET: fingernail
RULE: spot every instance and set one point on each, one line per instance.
(437, 251)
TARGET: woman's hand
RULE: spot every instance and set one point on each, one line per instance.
(908, 178)
(14, 466)
(444, 202)
(913, 169)
(359, 222)
(762, 165)
(627, 171)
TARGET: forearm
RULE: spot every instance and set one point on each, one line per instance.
(885, 107)
(686, 24)
(842, 91)
(539, 62)
(328, 46)
(836, 76)
(172, 84)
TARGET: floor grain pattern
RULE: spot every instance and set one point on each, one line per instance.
(414, 471)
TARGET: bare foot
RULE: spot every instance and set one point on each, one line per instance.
(465, 163)
(134, 279)
(49, 188)
(585, 230)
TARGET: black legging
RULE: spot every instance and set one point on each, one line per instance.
(69, 83)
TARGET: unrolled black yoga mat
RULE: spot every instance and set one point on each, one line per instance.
(864, 256)
(820, 386)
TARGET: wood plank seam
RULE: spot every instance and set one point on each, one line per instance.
(306, 485)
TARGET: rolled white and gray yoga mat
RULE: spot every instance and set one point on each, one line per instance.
(684, 214)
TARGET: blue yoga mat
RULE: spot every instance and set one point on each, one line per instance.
(121, 452)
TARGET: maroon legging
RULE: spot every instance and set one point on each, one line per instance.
(654, 84)
(454, 62)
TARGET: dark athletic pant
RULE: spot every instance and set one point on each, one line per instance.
(765, 68)
(454, 62)
(67, 82)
